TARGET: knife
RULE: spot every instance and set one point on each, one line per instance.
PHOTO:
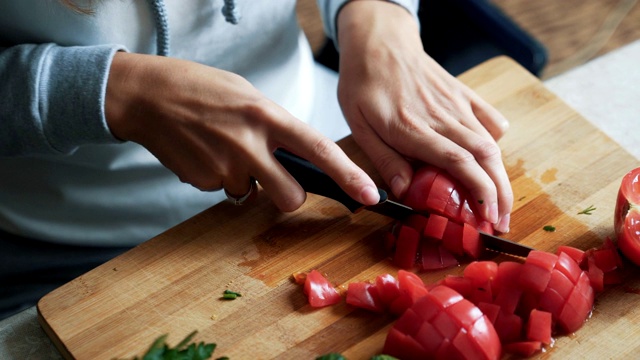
(314, 180)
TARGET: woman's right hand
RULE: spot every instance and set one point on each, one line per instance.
(214, 130)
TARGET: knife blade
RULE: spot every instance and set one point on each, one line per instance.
(314, 180)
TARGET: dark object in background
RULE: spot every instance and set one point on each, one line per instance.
(460, 34)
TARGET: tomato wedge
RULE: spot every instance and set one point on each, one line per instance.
(627, 216)
(319, 291)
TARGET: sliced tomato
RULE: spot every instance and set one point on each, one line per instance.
(407, 244)
(388, 288)
(471, 243)
(420, 187)
(627, 216)
(435, 256)
(523, 348)
(435, 227)
(319, 291)
(539, 326)
(364, 295)
(454, 205)
(576, 254)
(440, 192)
(452, 238)
(446, 325)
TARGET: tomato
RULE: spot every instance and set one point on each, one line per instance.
(443, 325)
(627, 216)
(539, 326)
(406, 247)
(364, 295)
(319, 291)
(418, 191)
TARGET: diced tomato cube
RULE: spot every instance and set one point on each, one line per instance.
(403, 346)
(430, 256)
(471, 243)
(388, 288)
(440, 192)
(409, 323)
(435, 227)
(508, 326)
(364, 295)
(417, 221)
(420, 187)
(319, 291)
(465, 313)
(406, 247)
(523, 348)
(539, 326)
(596, 275)
(490, 310)
(452, 238)
(508, 299)
(486, 338)
(429, 337)
(447, 258)
(568, 266)
(576, 254)
(460, 284)
(534, 278)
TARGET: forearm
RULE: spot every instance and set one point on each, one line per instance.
(52, 98)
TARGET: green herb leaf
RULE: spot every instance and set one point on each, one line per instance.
(383, 357)
(237, 294)
(587, 211)
(159, 350)
(549, 228)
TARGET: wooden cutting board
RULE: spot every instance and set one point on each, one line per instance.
(558, 163)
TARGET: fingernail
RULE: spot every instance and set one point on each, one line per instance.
(398, 185)
(370, 195)
(503, 224)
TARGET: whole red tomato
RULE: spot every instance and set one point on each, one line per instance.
(627, 216)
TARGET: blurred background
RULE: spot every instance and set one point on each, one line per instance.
(548, 37)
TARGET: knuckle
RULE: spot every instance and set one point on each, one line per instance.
(486, 150)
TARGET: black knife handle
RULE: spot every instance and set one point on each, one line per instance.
(314, 180)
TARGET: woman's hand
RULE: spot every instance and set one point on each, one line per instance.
(215, 130)
(402, 106)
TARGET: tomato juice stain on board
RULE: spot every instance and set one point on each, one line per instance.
(534, 208)
(549, 176)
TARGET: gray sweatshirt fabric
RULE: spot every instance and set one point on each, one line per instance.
(63, 176)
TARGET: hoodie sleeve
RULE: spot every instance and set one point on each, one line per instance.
(52, 98)
(329, 10)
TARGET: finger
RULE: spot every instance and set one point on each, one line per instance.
(497, 199)
(492, 120)
(279, 185)
(329, 157)
(392, 166)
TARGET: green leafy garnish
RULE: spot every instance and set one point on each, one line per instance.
(549, 228)
(587, 211)
(185, 350)
(230, 295)
(383, 357)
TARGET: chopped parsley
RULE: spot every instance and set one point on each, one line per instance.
(230, 295)
(185, 350)
(587, 211)
(549, 228)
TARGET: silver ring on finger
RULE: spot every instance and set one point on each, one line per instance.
(240, 200)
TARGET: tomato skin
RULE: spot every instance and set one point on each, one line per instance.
(407, 244)
(627, 216)
(319, 291)
(364, 295)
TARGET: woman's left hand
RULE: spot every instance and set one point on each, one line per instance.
(402, 107)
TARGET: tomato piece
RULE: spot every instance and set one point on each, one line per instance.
(471, 243)
(319, 291)
(489, 310)
(411, 289)
(576, 254)
(596, 275)
(454, 206)
(460, 284)
(364, 295)
(418, 192)
(406, 247)
(627, 216)
(539, 326)
(417, 222)
(536, 271)
(440, 192)
(447, 258)
(508, 326)
(446, 326)
(388, 288)
(430, 256)
(481, 272)
(435, 227)
(452, 238)
(523, 348)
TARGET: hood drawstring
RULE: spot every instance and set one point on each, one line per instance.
(229, 10)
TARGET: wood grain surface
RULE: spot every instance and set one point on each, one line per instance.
(558, 163)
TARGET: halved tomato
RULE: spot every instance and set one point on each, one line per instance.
(627, 216)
